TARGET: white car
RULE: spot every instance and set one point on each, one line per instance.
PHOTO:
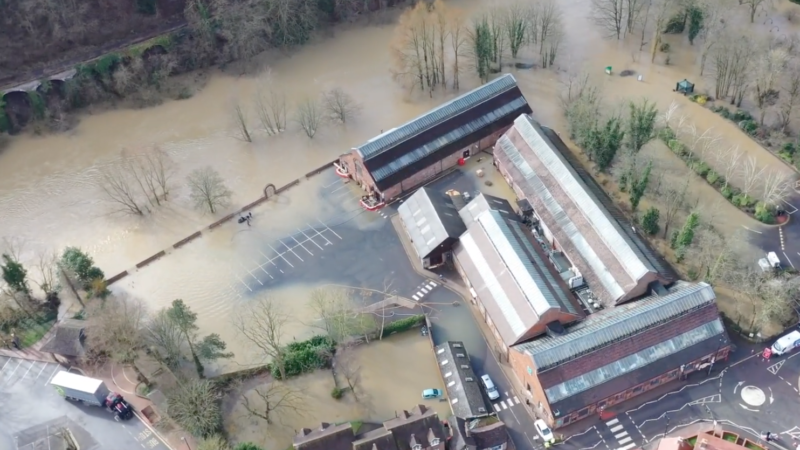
(491, 389)
(544, 431)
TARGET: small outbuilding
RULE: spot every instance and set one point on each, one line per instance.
(433, 225)
(67, 339)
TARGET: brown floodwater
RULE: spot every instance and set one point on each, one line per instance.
(49, 194)
(393, 373)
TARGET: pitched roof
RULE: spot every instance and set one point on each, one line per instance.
(484, 202)
(326, 437)
(461, 383)
(67, 339)
(509, 275)
(478, 434)
(399, 153)
(572, 211)
(608, 326)
(420, 422)
(430, 219)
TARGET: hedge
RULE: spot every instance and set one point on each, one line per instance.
(306, 356)
(742, 201)
(403, 325)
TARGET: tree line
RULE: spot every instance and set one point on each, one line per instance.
(434, 43)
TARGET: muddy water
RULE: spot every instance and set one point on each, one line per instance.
(393, 373)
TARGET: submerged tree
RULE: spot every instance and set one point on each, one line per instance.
(195, 406)
(208, 190)
(309, 116)
(207, 348)
(641, 124)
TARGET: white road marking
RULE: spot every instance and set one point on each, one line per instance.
(53, 373)
(432, 284)
(420, 294)
(415, 297)
(329, 228)
(319, 233)
(40, 372)
(497, 407)
(309, 238)
(15, 369)
(612, 422)
(516, 400)
(792, 206)
(621, 435)
(4, 365)
(616, 428)
(749, 229)
(279, 254)
(301, 245)
(25, 375)
(625, 441)
(787, 258)
(628, 447)
(503, 404)
(291, 250)
(424, 291)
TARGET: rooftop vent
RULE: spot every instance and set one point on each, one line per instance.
(464, 366)
(461, 355)
(469, 379)
(457, 345)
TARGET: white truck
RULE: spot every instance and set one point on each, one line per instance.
(90, 391)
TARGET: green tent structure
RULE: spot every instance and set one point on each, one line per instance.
(684, 87)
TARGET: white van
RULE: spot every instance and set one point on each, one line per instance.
(786, 344)
(491, 389)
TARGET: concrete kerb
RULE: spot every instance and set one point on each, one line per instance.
(465, 296)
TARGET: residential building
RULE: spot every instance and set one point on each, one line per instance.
(487, 433)
(516, 290)
(461, 384)
(419, 429)
(433, 225)
(576, 216)
(619, 353)
(405, 157)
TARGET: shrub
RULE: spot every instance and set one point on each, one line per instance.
(788, 148)
(673, 240)
(403, 324)
(741, 115)
(306, 356)
(692, 274)
(713, 177)
(749, 126)
(676, 24)
(677, 147)
(727, 192)
(337, 393)
(701, 168)
(743, 200)
(666, 134)
(650, 221)
(764, 213)
(664, 47)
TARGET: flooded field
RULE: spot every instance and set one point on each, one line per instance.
(392, 373)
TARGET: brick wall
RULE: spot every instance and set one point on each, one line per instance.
(629, 346)
(520, 363)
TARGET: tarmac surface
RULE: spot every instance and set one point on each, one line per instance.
(32, 414)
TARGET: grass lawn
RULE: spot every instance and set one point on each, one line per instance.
(692, 440)
(32, 330)
(729, 437)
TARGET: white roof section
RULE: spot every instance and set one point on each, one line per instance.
(76, 382)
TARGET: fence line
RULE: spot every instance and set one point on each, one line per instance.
(151, 259)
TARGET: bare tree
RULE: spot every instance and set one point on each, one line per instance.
(262, 323)
(215, 442)
(338, 314)
(340, 105)
(711, 254)
(116, 183)
(753, 6)
(714, 20)
(729, 159)
(208, 190)
(348, 367)
(195, 406)
(271, 108)
(769, 66)
(731, 58)
(114, 329)
(775, 188)
(47, 266)
(515, 23)
(633, 13)
(458, 38)
(750, 174)
(791, 96)
(137, 181)
(240, 118)
(156, 169)
(610, 16)
(165, 340)
(551, 31)
(660, 12)
(309, 116)
(273, 398)
(673, 199)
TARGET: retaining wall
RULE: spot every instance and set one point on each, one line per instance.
(151, 259)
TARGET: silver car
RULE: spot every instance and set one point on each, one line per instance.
(491, 389)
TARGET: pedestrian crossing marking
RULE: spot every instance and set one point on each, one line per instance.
(497, 407)
(621, 435)
(625, 441)
(420, 294)
(628, 447)
(616, 428)
(503, 404)
(424, 291)
(415, 297)
(516, 400)
(432, 284)
(612, 422)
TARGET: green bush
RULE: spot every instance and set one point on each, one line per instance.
(403, 324)
(743, 200)
(727, 192)
(749, 126)
(666, 135)
(713, 178)
(676, 24)
(337, 393)
(786, 156)
(664, 47)
(741, 115)
(764, 213)
(146, 7)
(677, 147)
(306, 356)
(701, 168)
(692, 274)
(650, 221)
(788, 148)
(673, 240)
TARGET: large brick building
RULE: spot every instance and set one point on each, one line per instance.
(576, 216)
(405, 157)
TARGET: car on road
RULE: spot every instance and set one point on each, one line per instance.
(544, 431)
(491, 389)
(432, 393)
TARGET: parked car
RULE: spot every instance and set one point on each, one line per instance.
(432, 393)
(544, 431)
(491, 389)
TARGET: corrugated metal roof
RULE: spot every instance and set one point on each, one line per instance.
(413, 156)
(483, 202)
(429, 221)
(608, 228)
(538, 294)
(633, 362)
(603, 328)
(563, 220)
(458, 105)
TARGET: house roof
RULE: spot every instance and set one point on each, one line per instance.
(484, 202)
(509, 275)
(608, 256)
(421, 423)
(430, 219)
(477, 435)
(641, 374)
(379, 439)
(611, 325)
(399, 153)
(325, 437)
(67, 339)
(461, 383)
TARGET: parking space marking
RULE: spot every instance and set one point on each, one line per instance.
(251, 273)
(41, 371)
(787, 258)
(794, 208)
(279, 254)
(15, 368)
(329, 229)
(301, 245)
(290, 249)
(53, 373)
(4, 365)
(25, 375)
(241, 280)
(308, 238)
(261, 266)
